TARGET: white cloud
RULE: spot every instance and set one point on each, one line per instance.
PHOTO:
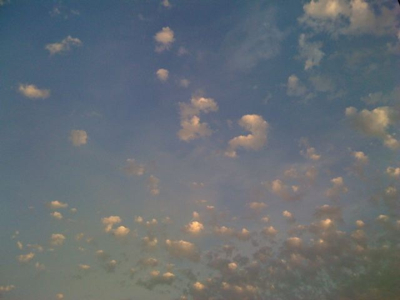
(311, 153)
(63, 46)
(253, 141)
(133, 168)
(337, 188)
(257, 205)
(33, 92)
(279, 188)
(25, 258)
(194, 227)
(393, 172)
(6, 288)
(166, 3)
(184, 83)
(60, 296)
(375, 123)
(310, 52)
(152, 184)
(84, 267)
(360, 157)
(162, 74)
(349, 17)
(110, 221)
(192, 128)
(164, 38)
(182, 249)
(295, 87)
(57, 204)
(56, 215)
(78, 137)
(57, 239)
(121, 231)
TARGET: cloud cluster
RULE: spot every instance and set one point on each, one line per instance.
(64, 46)
(349, 17)
(192, 128)
(257, 138)
(375, 123)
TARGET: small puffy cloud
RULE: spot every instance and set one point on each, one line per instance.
(162, 74)
(310, 52)
(375, 123)
(40, 267)
(110, 221)
(164, 39)
(294, 242)
(166, 3)
(360, 224)
(349, 17)
(57, 239)
(63, 46)
(6, 288)
(78, 137)
(311, 153)
(59, 296)
(360, 157)
(25, 258)
(192, 128)
(393, 172)
(121, 231)
(257, 138)
(84, 267)
(328, 211)
(57, 204)
(56, 215)
(198, 286)
(288, 216)
(110, 266)
(257, 205)
(19, 245)
(269, 231)
(149, 243)
(279, 188)
(133, 168)
(33, 92)
(152, 184)
(295, 87)
(184, 83)
(157, 278)
(194, 227)
(337, 188)
(182, 249)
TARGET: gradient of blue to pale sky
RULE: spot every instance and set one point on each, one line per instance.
(202, 150)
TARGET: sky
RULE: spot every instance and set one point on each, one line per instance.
(201, 150)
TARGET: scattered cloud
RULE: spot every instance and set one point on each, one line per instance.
(295, 87)
(78, 137)
(57, 204)
(33, 92)
(64, 46)
(152, 184)
(162, 74)
(375, 123)
(350, 17)
(253, 141)
(57, 239)
(164, 39)
(310, 52)
(133, 168)
(192, 128)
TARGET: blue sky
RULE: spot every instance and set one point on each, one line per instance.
(201, 125)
